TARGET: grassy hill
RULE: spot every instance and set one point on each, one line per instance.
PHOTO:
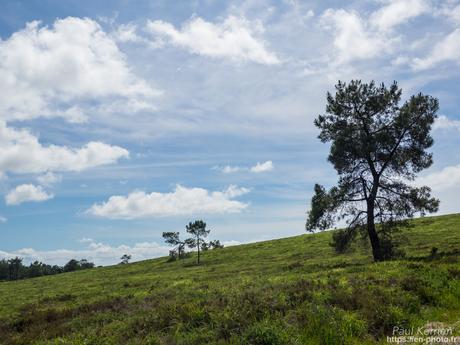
(290, 291)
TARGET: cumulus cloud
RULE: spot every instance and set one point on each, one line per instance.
(445, 184)
(49, 178)
(443, 122)
(97, 252)
(127, 33)
(234, 38)
(45, 69)
(454, 14)
(21, 152)
(352, 37)
(359, 37)
(397, 12)
(443, 179)
(448, 49)
(262, 167)
(26, 192)
(182, 201)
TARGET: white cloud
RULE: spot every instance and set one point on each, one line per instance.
(352, 37)
(443, 122)
(3, 219)
(99, 253)
(231, 243)
(230, 169)
(233, 191)
(45, 70)
(444, 179)
(445, 184)
(127, 33)
(234, 38)
(49, 178)
(182, 201)
(449, 10)
(26, 192)
(358, 36)
(21, 152)
(448, 49)
(454, 14)
(258, 168)
(397, 12)
(262, 167)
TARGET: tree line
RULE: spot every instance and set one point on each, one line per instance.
(14, 269)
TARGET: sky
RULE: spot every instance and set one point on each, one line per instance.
(123, 119)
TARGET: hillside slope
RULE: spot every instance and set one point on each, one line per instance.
(289, 291)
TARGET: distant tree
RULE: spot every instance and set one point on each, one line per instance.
(198, 230)
(172, 238)
(172, 255)
(55, 269)
(215, 244)
(4, 269)
(377, 146)
(71, 265)
(125, 259)
(36, 269)
(15, 267)
(85, 264)
(74, 265)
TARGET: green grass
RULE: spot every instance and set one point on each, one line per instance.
(294, 290)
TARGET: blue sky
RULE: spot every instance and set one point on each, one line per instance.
(120, 120)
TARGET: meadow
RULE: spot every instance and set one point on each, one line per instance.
(294, 290)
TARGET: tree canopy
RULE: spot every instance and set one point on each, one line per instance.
(377, 148)
(172, 238)
(198, 230)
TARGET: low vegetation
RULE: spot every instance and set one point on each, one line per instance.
(295, 290)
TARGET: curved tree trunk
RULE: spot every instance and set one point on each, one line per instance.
(372, 232)
(198, 240)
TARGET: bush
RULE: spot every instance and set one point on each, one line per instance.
(390, 249)
(266, 332)
(172, 255)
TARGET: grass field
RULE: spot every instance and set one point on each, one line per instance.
(290, 291)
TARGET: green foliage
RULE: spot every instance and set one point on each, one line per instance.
(267, 332)
(172, 238)
(75, 265)
(125, 259)
(14, 269)
(289, 291)
(198, 231)
(376, 144)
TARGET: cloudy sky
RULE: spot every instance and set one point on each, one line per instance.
(120, 120)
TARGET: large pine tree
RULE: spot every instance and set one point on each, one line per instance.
(377, 147)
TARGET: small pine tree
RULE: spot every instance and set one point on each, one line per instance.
(172, 238)
(198, 230)
(125, 259)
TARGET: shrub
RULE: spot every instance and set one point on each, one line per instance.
(266, 332)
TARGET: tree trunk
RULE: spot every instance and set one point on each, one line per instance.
(373, 237)
(198, 241)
